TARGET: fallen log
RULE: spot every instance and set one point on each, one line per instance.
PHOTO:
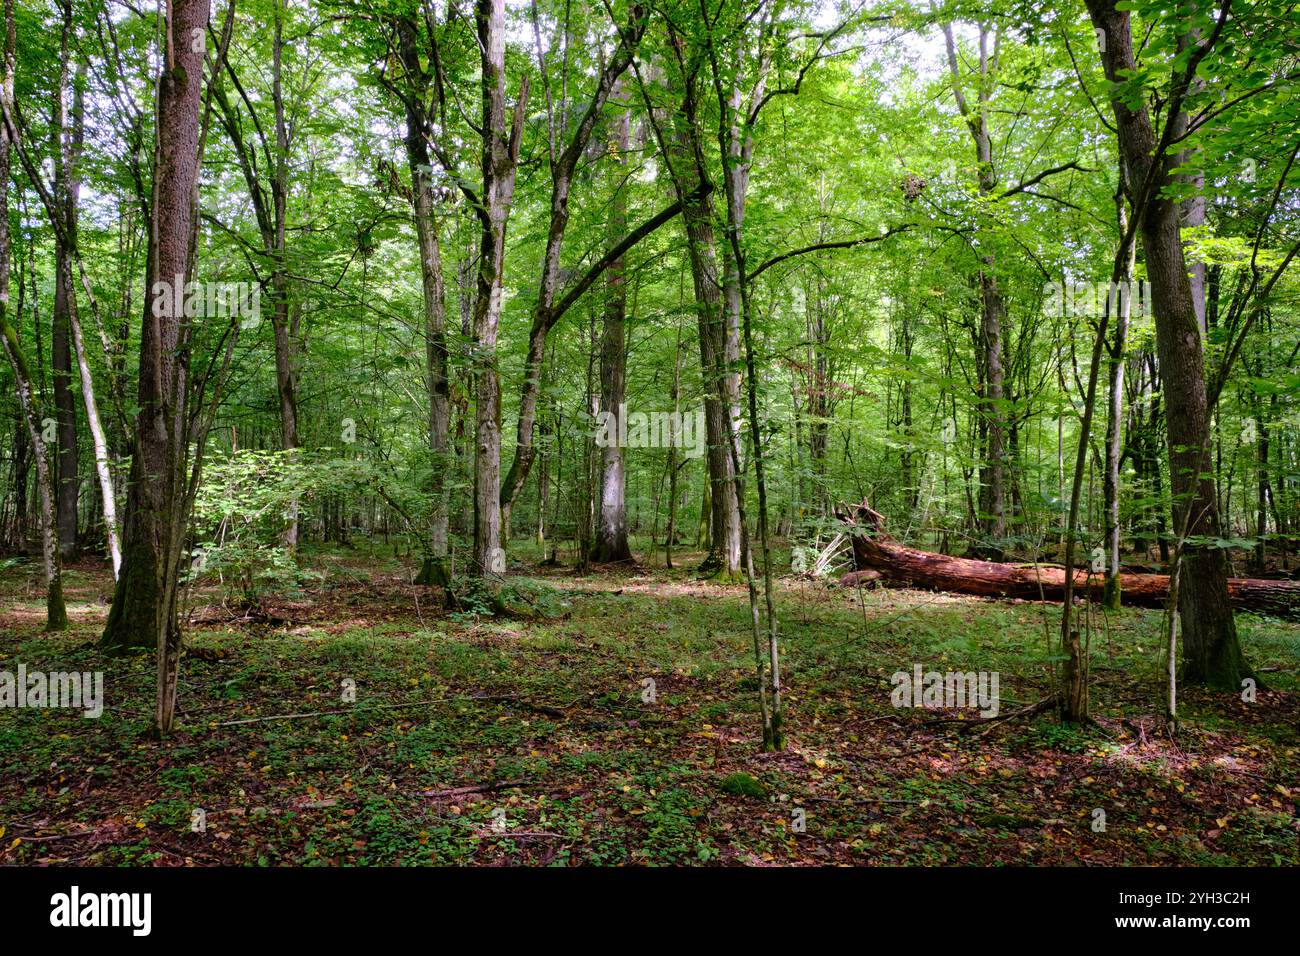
(901, 566)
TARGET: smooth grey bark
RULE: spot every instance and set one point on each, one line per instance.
(99, 440)
(70, 158)
(282, 324)
(1192, 209)
(609, 543)
(737, 114)
(500, 163)
(1115, 417)
(670, 536)
(1263, 486)
(61, 205)
(270, 208)
(719, 344)
(819, 405)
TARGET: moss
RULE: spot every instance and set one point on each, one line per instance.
(434, 572)
(776, 739)
(742, 785)
(132, 619)
(720, 575)
(56, 613)
(1110, 597)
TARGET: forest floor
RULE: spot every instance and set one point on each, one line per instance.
(527, 739)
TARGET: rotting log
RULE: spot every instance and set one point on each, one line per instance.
(900, 566)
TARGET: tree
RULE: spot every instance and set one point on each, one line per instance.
(414, 94)
(1211, 650)
(274, 143)
(553, 301)
(56, 618)
(500, 166)
(610, 544)
(160, 490)
(990, 359)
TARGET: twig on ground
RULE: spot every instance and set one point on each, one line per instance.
(477, 788)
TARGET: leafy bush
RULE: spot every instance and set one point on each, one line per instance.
(242, 510)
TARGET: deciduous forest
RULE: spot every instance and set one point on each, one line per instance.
(649, 432)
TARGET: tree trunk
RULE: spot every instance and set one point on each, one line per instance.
(897, 564)
(993, 503)
(992, 495)
(99, 439)
(500, 164)
(736, 148)
(61, 203)
(1115, 418)
(610, 539)
(548, 310)
(56, 618)
(13, 534)
(436, 570)
(670, 537)
(144, 604)
(285, 377)
(1211, 651)
(719, 342)
(100, 442)
(1191, 211)
(818, 396)
(66, 189)
(271, 213)
(1264, 491)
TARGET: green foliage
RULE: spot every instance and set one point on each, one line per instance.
(1067, 738)
(534, 596)
(741, 784)
(241, 513)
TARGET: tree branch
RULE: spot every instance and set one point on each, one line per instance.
(840, 244)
